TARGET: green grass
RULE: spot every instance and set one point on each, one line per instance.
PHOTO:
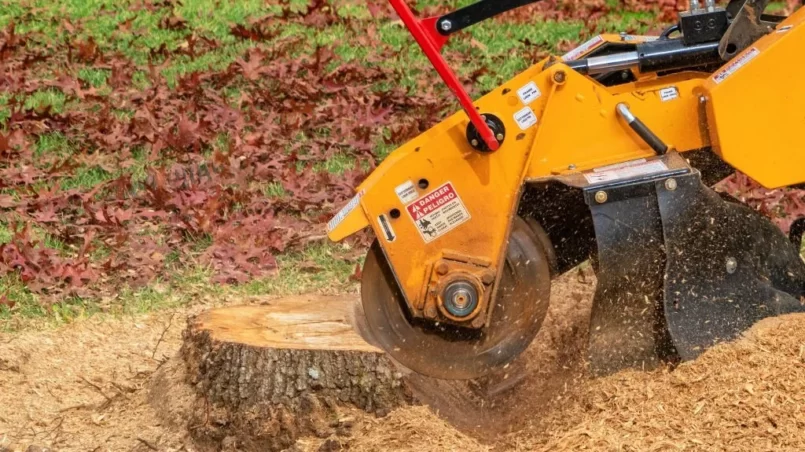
(316, 269)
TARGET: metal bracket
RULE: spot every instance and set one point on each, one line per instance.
(431, 42)
(746, 28)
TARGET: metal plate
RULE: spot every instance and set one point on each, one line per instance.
(728, 267)
(449, 352)
(626, 324)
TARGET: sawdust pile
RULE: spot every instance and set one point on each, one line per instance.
(93, 386)
(746, 395)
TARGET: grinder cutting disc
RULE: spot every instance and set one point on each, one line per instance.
(448, 351)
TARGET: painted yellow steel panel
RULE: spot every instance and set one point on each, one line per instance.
(756, 107)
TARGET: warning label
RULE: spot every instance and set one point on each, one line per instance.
(626, 170)
(438, 212)
(736, 64)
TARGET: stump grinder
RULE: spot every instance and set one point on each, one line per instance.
(604, 154)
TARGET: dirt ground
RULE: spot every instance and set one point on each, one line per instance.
(88, 387)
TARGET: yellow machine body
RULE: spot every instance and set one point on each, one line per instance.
(559, 122)
(756, 107)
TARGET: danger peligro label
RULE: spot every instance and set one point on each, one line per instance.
(438, 212)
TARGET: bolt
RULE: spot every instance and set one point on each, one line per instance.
(446, 25)
(461, 300)
(499, 137)
(670, 184)
(571, 167)
(732, 265)
(474, 142)
(559, 77)
(430, 312)
(478, 322)
(702, 99)
(488, 278)
(441, 268)
(601, 197)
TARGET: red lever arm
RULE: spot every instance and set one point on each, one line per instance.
(431, 42)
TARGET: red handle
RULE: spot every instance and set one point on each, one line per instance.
(431, 42)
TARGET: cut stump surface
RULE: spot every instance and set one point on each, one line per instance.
(266, 375)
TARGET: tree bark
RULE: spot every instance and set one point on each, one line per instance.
(266, 375)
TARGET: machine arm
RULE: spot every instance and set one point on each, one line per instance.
(477, 12)
(431, 34)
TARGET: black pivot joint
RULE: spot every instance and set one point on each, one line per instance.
(497, 127)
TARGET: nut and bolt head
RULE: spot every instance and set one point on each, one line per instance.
(474, 142)
(571, 167)
(601, 197)
(732, 265)
(670, 184)
(488, 278)
(500, 137)
(430, 312)
(446, 25)
(559, 77)
(478, 321)
(442, 268)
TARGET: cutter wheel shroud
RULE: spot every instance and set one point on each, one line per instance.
(606, 153)
(452, 352)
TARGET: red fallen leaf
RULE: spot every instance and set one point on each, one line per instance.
(4, 143)
(68, 26)
(87, 50)
(251, 68)
(125, 26)
(5, 301)
(46, 215)
(7, 201)
(122, 73)
(173, 22)
(357, 274)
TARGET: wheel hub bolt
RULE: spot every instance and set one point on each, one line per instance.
(460, 299)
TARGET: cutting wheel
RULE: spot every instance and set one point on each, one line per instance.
(451, 352)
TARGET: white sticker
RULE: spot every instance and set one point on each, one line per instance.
(346, 210)
(385, 226)
(406, 192)
(529, 93)
(642, 38)
(438, 212)
(525, 118)
(736, 64)
(619, 165)
(625, 171)
(582, 49)
(669, 93)
(784, 29)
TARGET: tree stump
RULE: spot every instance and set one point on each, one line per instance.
(265, 375)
